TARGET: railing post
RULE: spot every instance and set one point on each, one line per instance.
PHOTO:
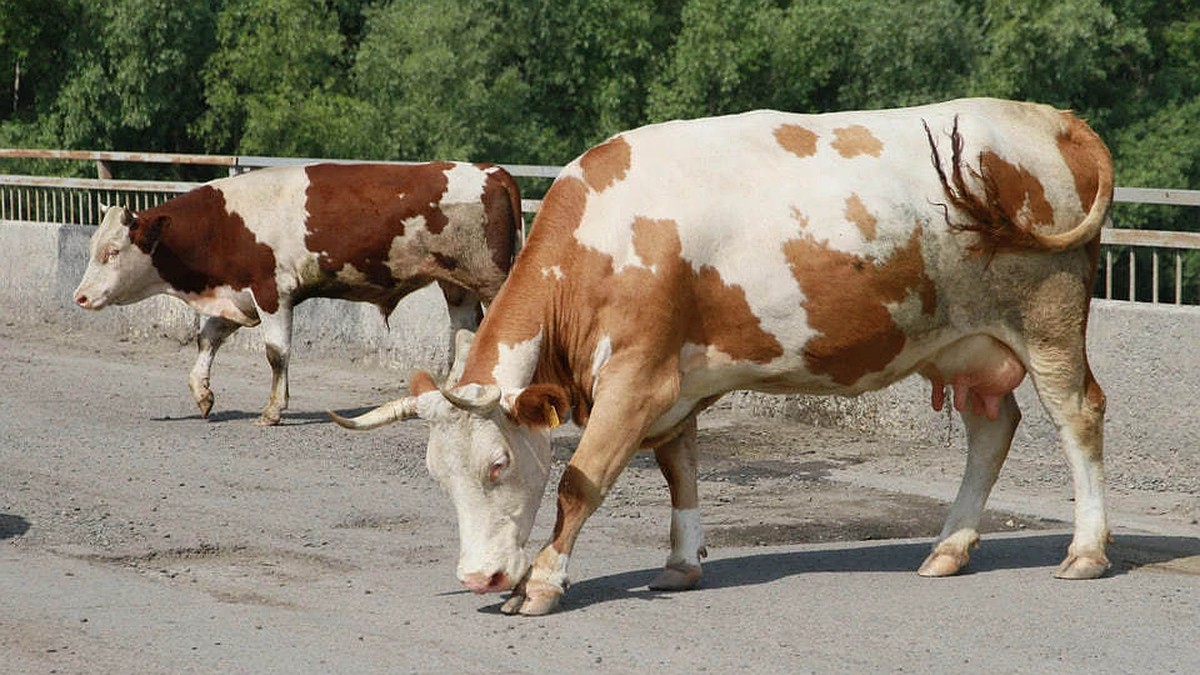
(103, 170)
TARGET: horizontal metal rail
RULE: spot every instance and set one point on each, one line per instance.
(77, 200)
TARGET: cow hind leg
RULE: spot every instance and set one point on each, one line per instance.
(212, 335)
(1054, 326)
(1076, 405)
(677, 459)
(277, 337)
(988, 442)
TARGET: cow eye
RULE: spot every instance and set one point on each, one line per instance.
(109, 253)
(497, 468)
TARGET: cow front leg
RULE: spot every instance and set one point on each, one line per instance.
(277, 338)
(623, 410)
(677, 459)
(988, 442)
(210, 338)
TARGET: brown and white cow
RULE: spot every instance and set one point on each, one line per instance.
(822, 254)
(245, 250)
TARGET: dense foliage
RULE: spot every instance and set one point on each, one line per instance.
(537, 81)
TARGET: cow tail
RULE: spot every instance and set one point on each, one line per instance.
(995, 226)
(1087, 144)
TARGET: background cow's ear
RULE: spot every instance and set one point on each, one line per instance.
(542, 405)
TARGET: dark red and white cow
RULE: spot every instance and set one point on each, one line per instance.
(245, 250)
(823, 254)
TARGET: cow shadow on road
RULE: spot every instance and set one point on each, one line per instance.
(298, 418)
(1127, 553)
(12, 526)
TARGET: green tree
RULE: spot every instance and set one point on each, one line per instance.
(276, 83)
(136, 88)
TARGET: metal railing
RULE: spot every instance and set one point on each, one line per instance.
(1126, 253)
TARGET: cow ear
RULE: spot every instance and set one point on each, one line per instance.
(421, 382)
(541, 405)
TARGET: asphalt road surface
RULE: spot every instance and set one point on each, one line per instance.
(137, 537)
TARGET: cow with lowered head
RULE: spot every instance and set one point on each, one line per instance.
(245, 250)
(817, 254)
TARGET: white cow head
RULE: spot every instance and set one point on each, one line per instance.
(490, 451)
(119, 272)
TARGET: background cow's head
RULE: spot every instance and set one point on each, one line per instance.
(120, 269)
(490, 451)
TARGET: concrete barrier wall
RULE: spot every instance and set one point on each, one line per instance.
(1146, 357)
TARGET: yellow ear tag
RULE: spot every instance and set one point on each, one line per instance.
(551, 415)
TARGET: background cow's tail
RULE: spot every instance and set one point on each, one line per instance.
(1000, 229)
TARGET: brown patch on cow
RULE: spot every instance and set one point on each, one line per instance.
(856, 140)
(606, 163)
(846, 299)
(1002, 207)
(197, 245)
(796, 140)
(578, 496)
(502, 208)
(421, 382)
(1086, 156)
(1018, 192)
(857, 213)
(356, 211)
(713, 312)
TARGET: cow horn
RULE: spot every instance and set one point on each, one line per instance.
(482, 400)
(392, 411)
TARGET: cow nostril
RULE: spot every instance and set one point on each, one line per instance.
(496, 581)
(81, 300)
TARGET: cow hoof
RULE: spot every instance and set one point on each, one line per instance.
(677, 577)
(535, 599)
(943, 564)
(206, 404)
(267, 420)
(1083, 566)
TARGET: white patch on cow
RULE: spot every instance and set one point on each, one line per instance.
(271, 202)
(553, 271)
(694, 356)
(351, 275)
(412, 224)
(464, 184)
(516, 362)
(600, 356)
(688, 536)
(558, 574)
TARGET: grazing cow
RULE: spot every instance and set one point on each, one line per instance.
(245, 250)
(820, 254)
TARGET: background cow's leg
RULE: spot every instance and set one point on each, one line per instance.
(464, 309)
(212, 335)
(677, 459)
(277, 337)
(988, 442)
(628, 400)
